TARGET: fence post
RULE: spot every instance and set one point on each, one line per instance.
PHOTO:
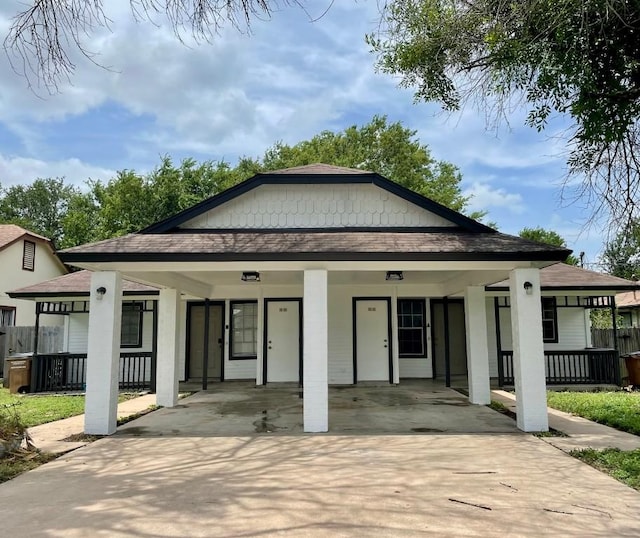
(496, 313)
(616, 353)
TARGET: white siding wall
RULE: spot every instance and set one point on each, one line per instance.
(14, 277)
(79, 334)
(311, 206)
(572, 332)
(340, 329)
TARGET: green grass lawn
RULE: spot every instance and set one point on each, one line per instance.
(37, 409)
(624, 466)
(620, 410)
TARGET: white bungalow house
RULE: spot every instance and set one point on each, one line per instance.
(324, 275)
(426, 350)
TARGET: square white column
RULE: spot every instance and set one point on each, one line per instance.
(477, 347)
(315, 351)
(168, 351)
(103, 353)
(528, 350)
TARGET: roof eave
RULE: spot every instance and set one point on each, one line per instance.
(93, 257)
(71, 294)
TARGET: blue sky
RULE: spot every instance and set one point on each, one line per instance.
(289, 80)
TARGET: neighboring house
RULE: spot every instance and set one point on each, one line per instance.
(324, 275)
(25, 258)
(628, 304)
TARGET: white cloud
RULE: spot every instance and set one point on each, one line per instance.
(21, 170)
(238, 94)
(484, 197)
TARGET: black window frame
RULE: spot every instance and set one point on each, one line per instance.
(232, 356)
(551, 321)
(627, 319)
(423, 312)
(25, 266)
(132, 306)
(7, 311)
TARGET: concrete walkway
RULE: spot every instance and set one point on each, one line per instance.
(51, 437)
(582, 433)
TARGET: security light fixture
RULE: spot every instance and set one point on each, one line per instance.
(394, 275)
(100, 292)
(528, 287)
(251, 276)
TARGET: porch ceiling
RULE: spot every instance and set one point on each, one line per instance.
(435, 282)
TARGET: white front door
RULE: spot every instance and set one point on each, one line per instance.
(283, 341)
(372, 340)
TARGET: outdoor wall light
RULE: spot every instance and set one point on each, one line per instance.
(251, 276)
(394, 275)
(528, 287)
(100, 292)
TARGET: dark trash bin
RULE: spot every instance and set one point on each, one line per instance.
(632, 362)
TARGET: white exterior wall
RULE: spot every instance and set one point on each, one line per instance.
(79, 332)
(312, 206)
(340, 329)
(46, 266)
(573, 331)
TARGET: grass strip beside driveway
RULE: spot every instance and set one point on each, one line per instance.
(620, 409)
(622, 465)
(35, 409)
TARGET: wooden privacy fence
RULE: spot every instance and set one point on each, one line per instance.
(20, 340)
(628, 342)
(628, 339)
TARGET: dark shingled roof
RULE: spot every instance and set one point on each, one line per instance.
(443, 244)
(570, 277)
(76, 285)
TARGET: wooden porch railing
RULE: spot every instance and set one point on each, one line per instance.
(56, 372)
(584, 366)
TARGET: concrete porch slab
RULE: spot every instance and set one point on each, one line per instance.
(237, 408)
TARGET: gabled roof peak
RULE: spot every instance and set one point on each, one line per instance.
(9, 233)
(318, 168)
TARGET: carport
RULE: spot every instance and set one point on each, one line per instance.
(240, 408)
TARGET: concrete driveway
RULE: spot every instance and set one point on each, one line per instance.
(151, 481)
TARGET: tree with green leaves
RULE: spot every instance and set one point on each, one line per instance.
(540, 235)
(621, 256)
(577, 58)
(378, 146)
(39, 207)
(131, 201)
